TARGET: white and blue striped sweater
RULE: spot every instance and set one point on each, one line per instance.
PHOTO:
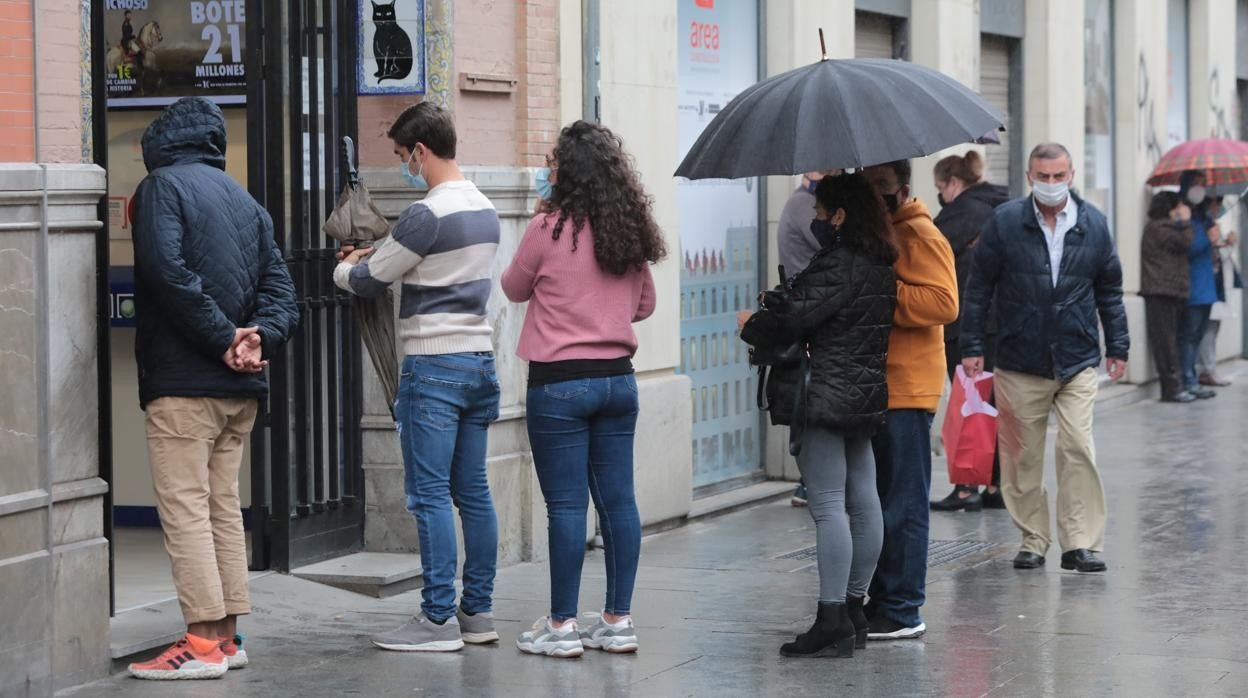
(442, 249)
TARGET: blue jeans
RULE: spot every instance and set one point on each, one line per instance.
(903, 461)
(444, 408)
(1191, 332)
(582, 432)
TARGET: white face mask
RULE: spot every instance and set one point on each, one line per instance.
(1050, 193)
(1196, 194)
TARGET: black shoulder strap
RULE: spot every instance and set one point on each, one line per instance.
(797, 428)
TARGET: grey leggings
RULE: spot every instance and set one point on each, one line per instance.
(839, 473)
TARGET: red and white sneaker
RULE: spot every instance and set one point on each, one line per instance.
(233, 650)
(181, 661)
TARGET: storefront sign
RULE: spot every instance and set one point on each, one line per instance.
(121, 297)
(716, 58)
(157, 51)
(392, 47)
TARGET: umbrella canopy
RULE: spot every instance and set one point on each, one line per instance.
(1222, 160)
(839, 114)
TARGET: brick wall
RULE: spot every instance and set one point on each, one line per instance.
(17, 82)
(499, 37)
(60, 81)
(486, 42)
(376, 113)
(537, 111)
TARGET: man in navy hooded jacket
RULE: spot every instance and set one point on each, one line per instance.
(214, 300)
(1047, 263)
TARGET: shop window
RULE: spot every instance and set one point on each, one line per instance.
(1098, 89)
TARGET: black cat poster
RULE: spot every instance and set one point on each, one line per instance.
(392, 47)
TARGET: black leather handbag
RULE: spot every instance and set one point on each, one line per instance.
(771, 346)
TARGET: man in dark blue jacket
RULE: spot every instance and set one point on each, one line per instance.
(1048, 263)
(214, 299)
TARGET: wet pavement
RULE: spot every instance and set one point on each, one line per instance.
(715, 599)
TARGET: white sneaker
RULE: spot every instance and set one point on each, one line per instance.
(546, 639)
(619, 637)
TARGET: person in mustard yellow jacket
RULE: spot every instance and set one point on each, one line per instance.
(927, 300)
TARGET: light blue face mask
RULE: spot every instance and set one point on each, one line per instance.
(416, 180)
(543, 185)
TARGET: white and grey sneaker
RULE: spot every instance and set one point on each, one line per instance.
(476, 629)
(422, 635)
(619, 637)
(546, 639)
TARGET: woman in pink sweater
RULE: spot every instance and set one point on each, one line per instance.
(583, 267)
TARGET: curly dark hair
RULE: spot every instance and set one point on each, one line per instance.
(867, 228)
(595, 183)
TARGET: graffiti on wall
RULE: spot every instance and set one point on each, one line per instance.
(1220, 124)
(1146, 124)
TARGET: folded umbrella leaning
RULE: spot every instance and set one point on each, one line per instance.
(839, 114)
(357, 221)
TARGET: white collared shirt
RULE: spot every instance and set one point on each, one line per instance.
(1056, 238)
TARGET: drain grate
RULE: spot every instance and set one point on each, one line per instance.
(799, 554)
(939, 552)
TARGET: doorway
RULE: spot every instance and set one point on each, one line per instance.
(288, 97)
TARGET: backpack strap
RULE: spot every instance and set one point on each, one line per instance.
(761, 398)
(797, 429)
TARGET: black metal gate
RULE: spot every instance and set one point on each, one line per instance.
(307, 478)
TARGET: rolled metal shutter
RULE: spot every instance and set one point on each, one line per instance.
(873, 36)
(994, 85)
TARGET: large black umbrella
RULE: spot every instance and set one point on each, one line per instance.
(839, 114)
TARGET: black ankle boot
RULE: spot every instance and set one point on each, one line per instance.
(832, 635)
(857, 616)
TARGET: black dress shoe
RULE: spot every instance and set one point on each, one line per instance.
(1025, 560)
(1083, 560)
(992, 500)
(955, 501)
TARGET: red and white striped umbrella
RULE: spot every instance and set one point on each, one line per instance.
(1222, 160)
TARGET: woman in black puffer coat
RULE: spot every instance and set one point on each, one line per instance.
(841, 309)
(966, 204)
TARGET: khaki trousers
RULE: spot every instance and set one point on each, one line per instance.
(195, 446)
(1025, 402)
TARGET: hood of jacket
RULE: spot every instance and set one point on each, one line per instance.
(191, 130)
(910, 214)
(991, 194)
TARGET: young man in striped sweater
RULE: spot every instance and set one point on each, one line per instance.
(442, 251)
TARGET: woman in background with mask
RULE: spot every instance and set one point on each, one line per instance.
(966, 203)
(840, 308)
(1203, 288)
(584, 269)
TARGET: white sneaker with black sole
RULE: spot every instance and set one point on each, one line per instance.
(885, 629)
(546, 639)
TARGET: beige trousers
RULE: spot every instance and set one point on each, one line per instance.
(1025, 402)
(195, 446)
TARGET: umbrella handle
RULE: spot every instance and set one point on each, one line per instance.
(348, 152)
